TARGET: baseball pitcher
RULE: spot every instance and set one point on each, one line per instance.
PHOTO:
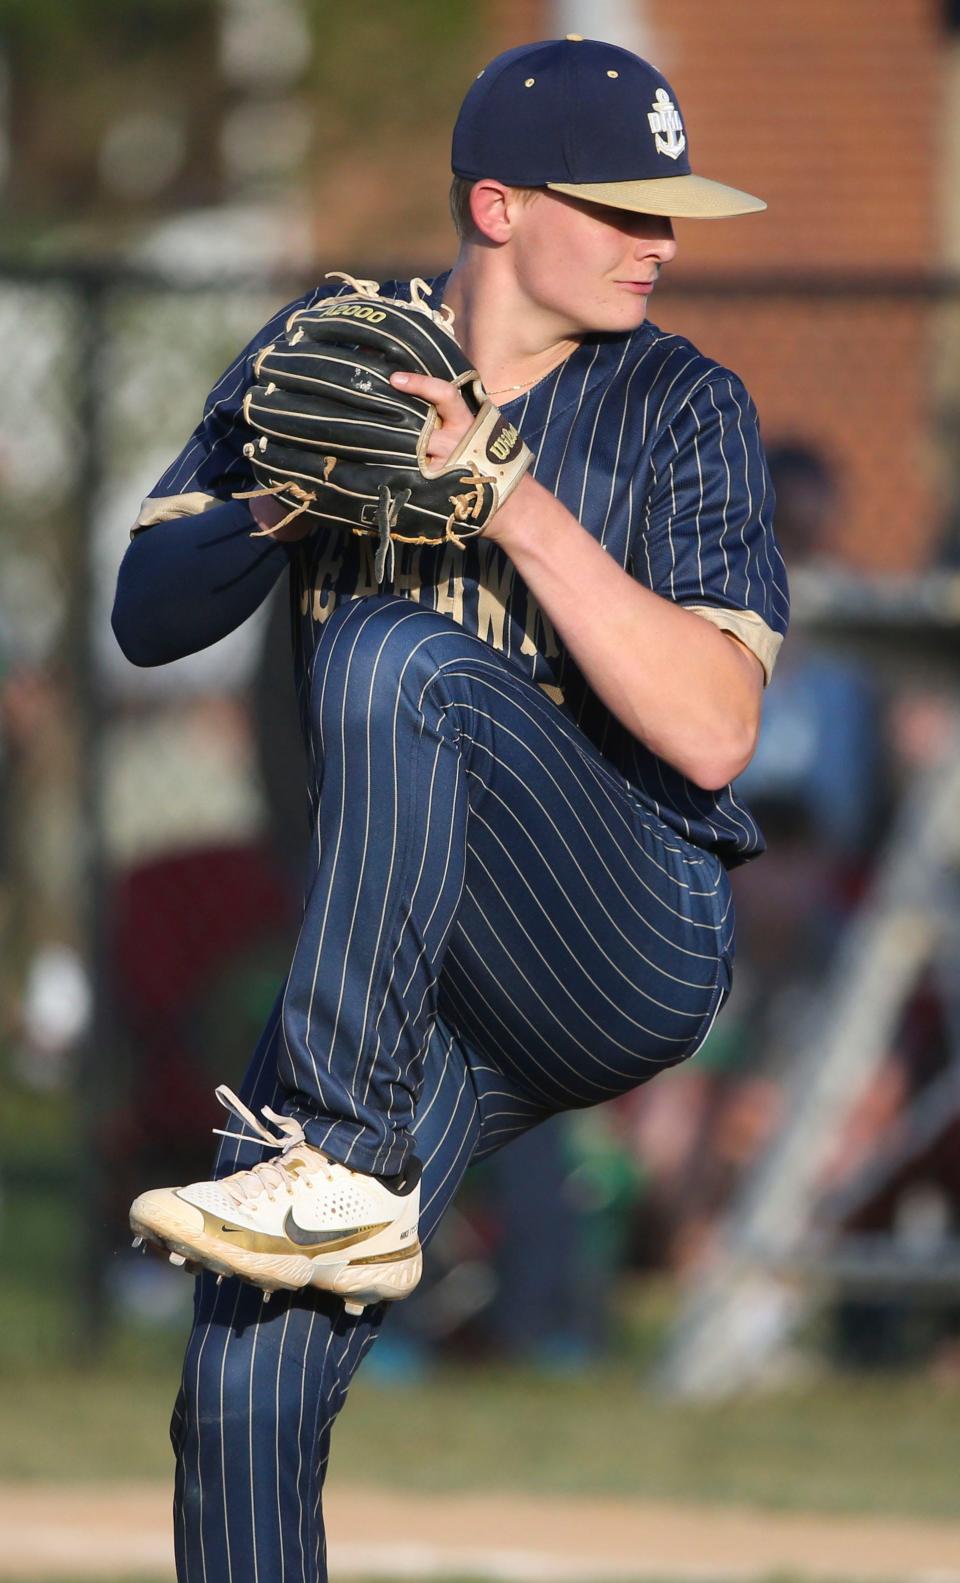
(535, 596)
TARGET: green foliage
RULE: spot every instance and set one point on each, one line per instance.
(397, 66)
(885, 1444)
(77, 70)
(50, 33)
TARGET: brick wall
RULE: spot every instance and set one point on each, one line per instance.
(833, 112)
(851, 378)
(830, 109)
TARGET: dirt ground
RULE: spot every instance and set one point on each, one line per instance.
(101, 1531)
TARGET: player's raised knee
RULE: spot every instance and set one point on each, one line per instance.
(370, 650)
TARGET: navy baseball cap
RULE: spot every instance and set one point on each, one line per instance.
(590, 119)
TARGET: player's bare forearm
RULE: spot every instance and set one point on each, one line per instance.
(687, 690)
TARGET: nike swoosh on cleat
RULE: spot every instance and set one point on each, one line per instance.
(306, 1238)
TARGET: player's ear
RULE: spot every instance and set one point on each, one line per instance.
(490, 207)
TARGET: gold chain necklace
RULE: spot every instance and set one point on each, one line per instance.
(504, 388)
(523, 385)
(534, 379)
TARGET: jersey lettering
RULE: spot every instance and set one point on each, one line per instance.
(320, 599)
(494, 587)
(449, 601)
(406, 577)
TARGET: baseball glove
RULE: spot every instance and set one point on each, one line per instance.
(334, 438)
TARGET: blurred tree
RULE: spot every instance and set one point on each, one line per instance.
(113, 107)
(410, 63)
(385, 99)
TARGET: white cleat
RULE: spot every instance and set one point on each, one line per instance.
(299, 1220)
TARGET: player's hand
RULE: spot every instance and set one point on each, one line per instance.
(454, 416)
(454, 421)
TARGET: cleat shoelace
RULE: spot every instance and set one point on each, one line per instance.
(270, 1176)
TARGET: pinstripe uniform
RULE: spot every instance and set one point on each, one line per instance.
(513, 906)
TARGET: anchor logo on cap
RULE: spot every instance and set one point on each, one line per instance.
(665, 118)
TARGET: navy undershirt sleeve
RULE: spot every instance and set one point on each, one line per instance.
(186, 583)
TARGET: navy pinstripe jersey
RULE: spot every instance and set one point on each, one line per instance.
(654, 448)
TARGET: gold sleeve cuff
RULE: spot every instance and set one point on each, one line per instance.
(750, 628)
(163, 508)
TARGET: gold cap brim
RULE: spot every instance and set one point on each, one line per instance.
(678, 197)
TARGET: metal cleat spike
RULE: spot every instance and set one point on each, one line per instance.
(137, 1242)
(219, 1280)
(177, 1259)
(353, 1309)
(267, 1296)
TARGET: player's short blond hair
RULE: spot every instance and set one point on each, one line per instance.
(460, 190)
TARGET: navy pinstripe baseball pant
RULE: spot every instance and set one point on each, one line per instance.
(496, 928)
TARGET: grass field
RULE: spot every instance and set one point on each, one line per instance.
(883, 1445)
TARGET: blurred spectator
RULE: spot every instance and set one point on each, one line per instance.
(563, 1195)
(818, 783)
(44, 986)
(818, 772)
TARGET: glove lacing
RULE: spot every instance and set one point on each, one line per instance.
(443, 316)
(309, 499)
(270, 1176)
